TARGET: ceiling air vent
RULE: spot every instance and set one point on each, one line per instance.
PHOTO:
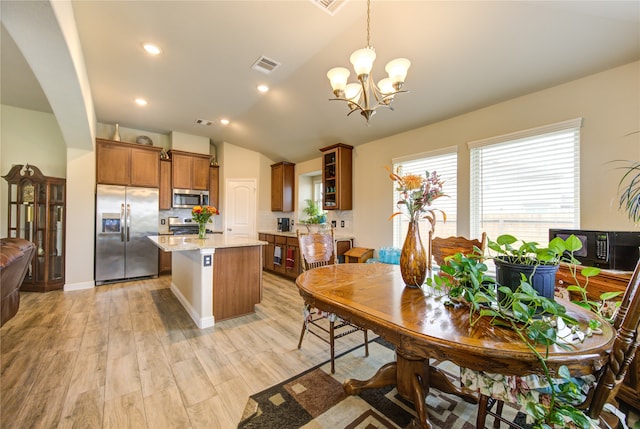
(203, 122)
(329, 6)
(265, 65)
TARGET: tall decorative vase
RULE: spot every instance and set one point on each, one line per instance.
(116, 133)
(413, 258)
(202, 230)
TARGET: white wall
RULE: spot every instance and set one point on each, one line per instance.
(239, 163)
(189, 143)
(80, 221)
(607, 101)
(28, 137)
(129, 135)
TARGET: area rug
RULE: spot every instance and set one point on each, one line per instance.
(314, 399)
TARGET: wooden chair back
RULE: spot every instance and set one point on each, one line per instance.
(316, 249)
(443, 247)
(612, 374)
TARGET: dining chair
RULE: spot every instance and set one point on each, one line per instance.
(608, 378)
(317, 250)
(443, 247)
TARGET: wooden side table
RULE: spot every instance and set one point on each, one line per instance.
(357, 255)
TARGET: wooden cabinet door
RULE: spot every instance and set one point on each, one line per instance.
(214, 187)
(281, 243)
(119, 163)
(200, 173)
(180, 171)
(268, 256)
(293, 252)
(164, 262)
(145, 168)
(113, 164)
(277, 173)
(337, 177)
(165, 185)
(282, 187)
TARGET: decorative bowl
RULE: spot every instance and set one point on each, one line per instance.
(144, 140)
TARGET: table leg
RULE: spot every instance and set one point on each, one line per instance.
(413, 377)
(386, 376)
(440, 381)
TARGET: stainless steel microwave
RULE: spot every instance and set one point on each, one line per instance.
(188, 198)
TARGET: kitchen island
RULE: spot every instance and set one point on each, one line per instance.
(215, 278)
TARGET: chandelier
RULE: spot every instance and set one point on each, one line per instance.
(365, 96)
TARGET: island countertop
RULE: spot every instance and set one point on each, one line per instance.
(177, 243)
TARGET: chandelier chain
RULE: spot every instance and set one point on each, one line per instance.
(368, 23)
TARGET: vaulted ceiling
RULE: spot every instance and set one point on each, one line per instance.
(465, 55)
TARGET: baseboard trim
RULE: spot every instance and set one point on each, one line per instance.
(68, 287)
(201, 322)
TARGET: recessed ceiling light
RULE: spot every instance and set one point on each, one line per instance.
(141, 102)
(224, 121)
(151, 49)
(263, 88)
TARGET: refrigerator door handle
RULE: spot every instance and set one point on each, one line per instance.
(128, 221)
(121, 222)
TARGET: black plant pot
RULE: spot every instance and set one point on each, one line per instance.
(541, 277)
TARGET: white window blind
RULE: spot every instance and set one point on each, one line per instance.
(445, 163)
(525, 183)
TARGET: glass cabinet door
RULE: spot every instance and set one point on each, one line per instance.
(36, 212)
(55, 250)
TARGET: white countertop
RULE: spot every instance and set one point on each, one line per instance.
(177, 243)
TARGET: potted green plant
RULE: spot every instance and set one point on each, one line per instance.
(516, 258)
(315, 216)
(629, 188)
(535, 318)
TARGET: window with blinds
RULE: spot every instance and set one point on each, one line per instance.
(527, 182)
(445, 163)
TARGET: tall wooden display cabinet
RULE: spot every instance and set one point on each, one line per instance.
(37, 213)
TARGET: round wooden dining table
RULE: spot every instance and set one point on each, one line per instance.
(421, 327)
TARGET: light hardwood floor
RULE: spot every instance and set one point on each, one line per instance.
(127, 355)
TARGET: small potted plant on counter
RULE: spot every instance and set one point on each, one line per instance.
(315, 216)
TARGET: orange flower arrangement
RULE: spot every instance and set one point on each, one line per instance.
(203, 214)
(416, 195)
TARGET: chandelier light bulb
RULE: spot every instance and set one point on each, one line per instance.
(338, 77)
(386, 86)
(362, 61)
(397, 70)
(353, 92)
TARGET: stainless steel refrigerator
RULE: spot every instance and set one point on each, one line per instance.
(125, 216)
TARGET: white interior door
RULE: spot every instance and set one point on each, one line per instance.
(240, 217)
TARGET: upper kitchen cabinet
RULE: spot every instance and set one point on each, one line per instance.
(164, 197)
(127, 164)
(336, 177)
(282, 187)
(214, 192)
(189, 170)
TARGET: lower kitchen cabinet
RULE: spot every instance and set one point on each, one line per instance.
(281, 255)
(164, 262)
(286, 260)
